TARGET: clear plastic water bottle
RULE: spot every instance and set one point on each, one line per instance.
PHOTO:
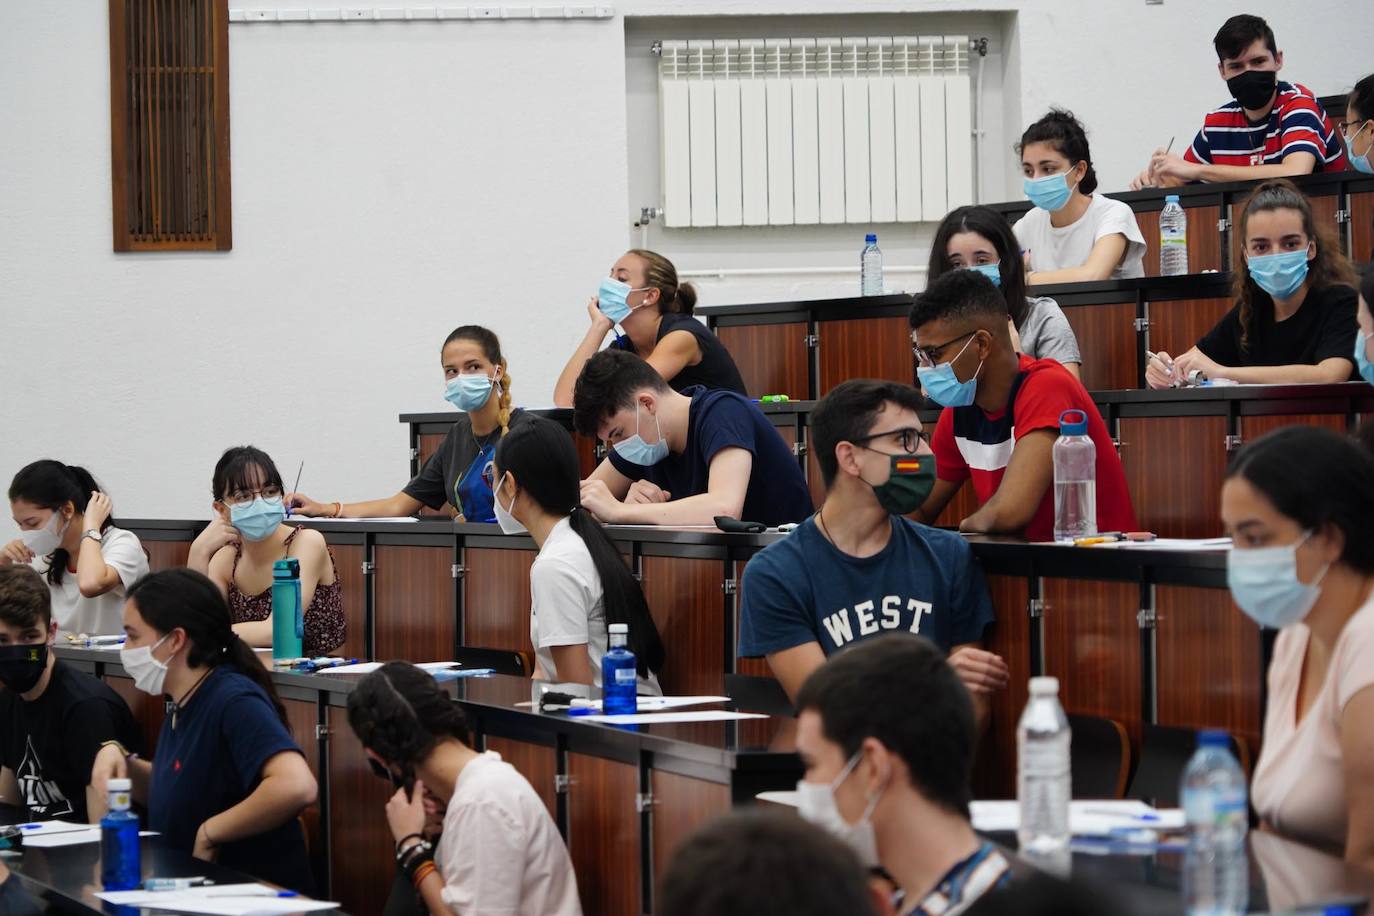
(871, 267)
(1216, 872)
(288, 622)
(1075, 478)
(1173, 238)
(1042, 771)
(120, 865)
(618, 675)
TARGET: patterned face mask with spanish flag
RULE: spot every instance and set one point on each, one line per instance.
(911, 479)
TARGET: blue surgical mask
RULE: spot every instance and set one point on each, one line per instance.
(1264, 583)
(992, 271)
(468, 392)
(611, 299)
(1280, 274)
(1050, 193)
(944, 386)
(1365, 366)
(257, 520)
(1361, 163)
(645, 454)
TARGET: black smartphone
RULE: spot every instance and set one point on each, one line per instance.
(735, 526)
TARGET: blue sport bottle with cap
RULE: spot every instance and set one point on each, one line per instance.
(288, 621)
(120, 866)
(1075, 478)
(619, 677)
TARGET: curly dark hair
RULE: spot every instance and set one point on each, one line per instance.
(400, 713)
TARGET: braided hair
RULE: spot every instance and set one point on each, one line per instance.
(491, 349)
(401, 713)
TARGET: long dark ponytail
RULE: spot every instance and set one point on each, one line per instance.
(541, 456)
(51, 484)
(186, 599)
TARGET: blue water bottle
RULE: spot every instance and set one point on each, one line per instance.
(619, 678)
(288, 624)
(120, 867)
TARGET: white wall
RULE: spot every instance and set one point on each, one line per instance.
(394, 180)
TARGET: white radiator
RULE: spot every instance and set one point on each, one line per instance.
(799, 131)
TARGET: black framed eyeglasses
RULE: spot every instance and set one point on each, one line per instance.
(930, 356)
(244, 497)
(909, 438)
(382, 772)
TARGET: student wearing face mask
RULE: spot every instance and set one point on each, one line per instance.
(1003, 414)
(53, 718)
(1364, 340)
(1358, 128)
(1270, 129)
(227, 783)
(1294, 317)
(478, 383)
(247, 536)
(66, 534)
(643, 296)
(1297, 504)
(980, 239)
(886, 737)
(578, 583)
(681, 459)
(858, 569)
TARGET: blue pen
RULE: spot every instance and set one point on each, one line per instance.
(582, 710)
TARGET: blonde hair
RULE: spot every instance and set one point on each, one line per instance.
(659, 273)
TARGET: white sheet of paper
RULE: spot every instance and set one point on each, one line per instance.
(297, 519)
(788, 798)
(72, 838)
(1208, 544)
(228, 899)
(1089, 817)
(135, 898)
(672, 718)
(369, 667)
(48, 828)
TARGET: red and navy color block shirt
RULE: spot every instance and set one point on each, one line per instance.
(970, 442)
(1298, 124)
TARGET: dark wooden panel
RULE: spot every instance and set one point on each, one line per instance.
(687, 599)
(148, 710)
(534, 761)
(1362, 226)
(865, 348)
(348, 569)
(772, 358)
(166, 554)
(1252, 428)
(1209, 666)
(359, 838)
(586, 454)
(428, 444)
(1092, 644)
(681, 805)
(496, 598)
(1177, 325)
(1107, 340)
(1174, 468)
(994, 774)
(814, 481)
(603, 835)
(301, 719)
(1204, 241)
(414, 603)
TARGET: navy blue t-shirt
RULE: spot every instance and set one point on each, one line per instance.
(212, 760)
(719, 420)
(802, 590)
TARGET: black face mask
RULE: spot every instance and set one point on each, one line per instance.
(22, 666)
(1253, 88)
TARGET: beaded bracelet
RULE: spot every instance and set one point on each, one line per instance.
(424, 871)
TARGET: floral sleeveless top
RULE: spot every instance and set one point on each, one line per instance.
(325, 626)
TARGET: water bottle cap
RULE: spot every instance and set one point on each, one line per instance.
(871, 239)
(119, 785)
(1073, 422)
(618, 628)
(1212, 737)
(1044, 686)
(289, 568)
(1171, 198)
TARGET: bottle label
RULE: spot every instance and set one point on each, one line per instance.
(1216, 809)
(1044, 759)
(625, 675)
(119, 801)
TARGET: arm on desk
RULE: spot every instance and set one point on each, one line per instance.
(287, 786)
(727, 484)
(1028, 477)
(573, 664)
(1106, 253)
(793, 666)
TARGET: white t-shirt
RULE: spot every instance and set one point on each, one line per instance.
(500, 853)
(1054, 248)
(567, 604)
(102, 615)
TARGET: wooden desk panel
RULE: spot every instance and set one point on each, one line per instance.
(166, 554)
(772, 358)
(814, 481)
(603, 829)
(1092, 644)
(1362, 226)
(414, 608)
(1107, 340)
(348, 570)
(687, 599)
(359, 838)
(1324, 209)
(1204, 241)
(1209, 662)
(427, 444)
(865, 348)
(1257, 427)
(1176, 325)
(994, 773)
(586, 454)
(301, 719)
(681, 805)
(496, 598)
(535, 762)
(1169, 500)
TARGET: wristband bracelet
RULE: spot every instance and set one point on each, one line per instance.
(415, 863)
(338, 510)
(124, 751)
(409, 836)
(410, 854)
(424, 871)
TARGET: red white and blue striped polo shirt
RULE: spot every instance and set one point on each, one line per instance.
(1298, 124)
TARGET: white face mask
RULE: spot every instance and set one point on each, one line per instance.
(509, 523)
(43, 541)
(148, 673)
(816, 803)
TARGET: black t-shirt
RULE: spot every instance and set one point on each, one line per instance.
(450, 469)
(719, 420)
(1322, 327)
(717, 367)
(51, 742)
(211, 760)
